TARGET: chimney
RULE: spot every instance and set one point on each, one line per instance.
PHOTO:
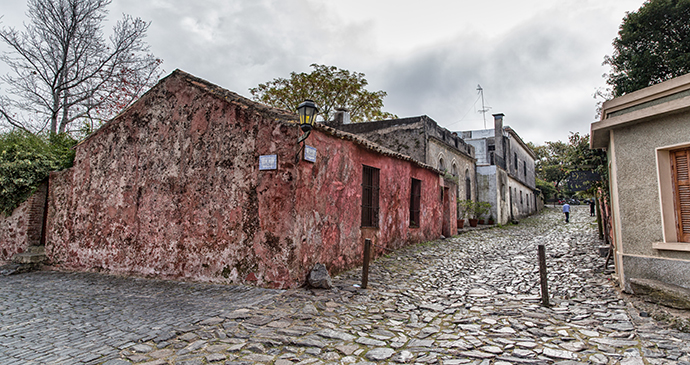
(499, 154)
(342, 116)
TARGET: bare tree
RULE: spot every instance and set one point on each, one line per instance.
(65, 71)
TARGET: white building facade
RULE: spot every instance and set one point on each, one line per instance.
(505, 171)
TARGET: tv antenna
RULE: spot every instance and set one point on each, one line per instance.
(484, 109)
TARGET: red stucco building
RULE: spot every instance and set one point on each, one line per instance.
(173, 188)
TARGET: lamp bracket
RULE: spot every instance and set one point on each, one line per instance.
(304, 136)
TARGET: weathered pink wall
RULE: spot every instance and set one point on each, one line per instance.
(24, 227)
(171, 188)
(329, 198)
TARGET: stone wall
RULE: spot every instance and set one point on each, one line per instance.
(406, 136)
(24, 227)
(524, 170)
(172, 189)
(523, 199)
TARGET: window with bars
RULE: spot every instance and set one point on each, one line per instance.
(370, 196)
(415, 202)
(680, 170)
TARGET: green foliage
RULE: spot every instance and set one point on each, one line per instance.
(551, 163)
(583, 158)
(26, 160)
(547, 189)
(653, 45)
(557, 161)
(472, 209)
(329, 87)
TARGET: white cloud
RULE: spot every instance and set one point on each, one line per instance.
(538, 61)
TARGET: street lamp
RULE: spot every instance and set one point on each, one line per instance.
(307, 116)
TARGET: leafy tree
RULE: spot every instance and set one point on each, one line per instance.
(551, 162)
(547, 188)
(65, 71)
(583, 159)
(329, 87)
(653, 45)
(558, 162)
(26, 160)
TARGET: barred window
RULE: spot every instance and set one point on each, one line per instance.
(370, 196)
(415, 202)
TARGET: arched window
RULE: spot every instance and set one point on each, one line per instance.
(468, 185)
(454, 170)
(441, 164)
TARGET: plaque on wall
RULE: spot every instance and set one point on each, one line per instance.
(268, 162)
(310, 153)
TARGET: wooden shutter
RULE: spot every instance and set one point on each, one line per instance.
(370, 196)
(415, 202)
(680, 168)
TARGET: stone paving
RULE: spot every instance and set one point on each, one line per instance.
(471, 299)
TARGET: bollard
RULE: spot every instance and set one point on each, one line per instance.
(365, 264)
(542, 274)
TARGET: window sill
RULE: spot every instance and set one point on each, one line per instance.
(672, 246)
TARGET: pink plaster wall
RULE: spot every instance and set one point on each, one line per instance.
(23, 227)
(13, 232)
(171, 189)
(329, 197)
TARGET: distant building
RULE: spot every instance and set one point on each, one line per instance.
(646, 135)
(424, 140)
(505, 171)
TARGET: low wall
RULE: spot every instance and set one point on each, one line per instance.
(24, 227)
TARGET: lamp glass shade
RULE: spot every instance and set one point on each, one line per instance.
(307, 114)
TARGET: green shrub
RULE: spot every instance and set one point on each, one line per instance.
(472, 209)
(26, 160)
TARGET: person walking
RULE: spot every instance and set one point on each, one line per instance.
(566, 210)
(591, 208)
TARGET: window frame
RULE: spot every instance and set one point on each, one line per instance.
(681, 205)
(667, 200)
(371, 178)
(415, 203)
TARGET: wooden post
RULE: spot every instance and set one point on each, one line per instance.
(542, 275)
(365, 264)
(599, 224)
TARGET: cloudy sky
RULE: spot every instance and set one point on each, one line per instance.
(538, 61)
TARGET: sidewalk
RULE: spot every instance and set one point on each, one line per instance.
(470, 299)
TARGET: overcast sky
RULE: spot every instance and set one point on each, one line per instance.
(538, 61)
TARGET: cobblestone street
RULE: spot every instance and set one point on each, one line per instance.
(471, 299)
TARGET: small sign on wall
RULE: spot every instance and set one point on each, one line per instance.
(268, 162)
(309, 153)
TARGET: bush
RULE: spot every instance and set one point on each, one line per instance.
(26, 160)
(472, 209)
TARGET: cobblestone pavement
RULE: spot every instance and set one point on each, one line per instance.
(471, 299)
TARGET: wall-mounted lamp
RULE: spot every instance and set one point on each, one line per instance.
(307, 116)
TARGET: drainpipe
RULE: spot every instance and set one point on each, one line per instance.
(510, 202)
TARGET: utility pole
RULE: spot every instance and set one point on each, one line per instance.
(484, 109)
